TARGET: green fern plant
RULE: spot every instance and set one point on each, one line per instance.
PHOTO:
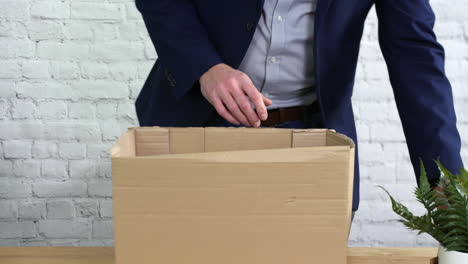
(446, 217)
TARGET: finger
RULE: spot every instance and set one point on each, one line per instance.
(246, 107)
(223, 112)
(257, 100)
(256, 97)
(267, 101)
(234, 109)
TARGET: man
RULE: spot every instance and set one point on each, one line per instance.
(220, 62)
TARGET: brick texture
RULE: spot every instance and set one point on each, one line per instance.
(69, 74)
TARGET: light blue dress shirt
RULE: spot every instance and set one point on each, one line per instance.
(279, 59)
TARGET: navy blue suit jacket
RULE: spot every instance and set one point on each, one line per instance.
(190, 36)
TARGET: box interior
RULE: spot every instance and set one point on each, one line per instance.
(147, 141)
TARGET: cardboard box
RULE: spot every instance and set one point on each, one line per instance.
(227, 195)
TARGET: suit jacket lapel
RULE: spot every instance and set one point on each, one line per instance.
(260, 5)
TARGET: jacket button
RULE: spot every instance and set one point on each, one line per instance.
(250, 26)
(172, 83)
(170, 78)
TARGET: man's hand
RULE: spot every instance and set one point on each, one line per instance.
(229, 91)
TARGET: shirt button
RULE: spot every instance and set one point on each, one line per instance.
(273, 59)
(280, 18)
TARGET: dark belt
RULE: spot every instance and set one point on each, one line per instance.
(280, 115)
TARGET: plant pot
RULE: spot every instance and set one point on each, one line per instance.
(451, 257)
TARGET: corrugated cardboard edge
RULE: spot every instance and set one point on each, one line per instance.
(125, 145)
(335, 137)
(302, 138)
(118, 151)
(152, 140)
(234, 156)
(391, 255)
(332, 138)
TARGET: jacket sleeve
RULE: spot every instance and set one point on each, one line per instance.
(181, 41)
(423, 94)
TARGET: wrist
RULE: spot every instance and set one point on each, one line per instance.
(211, 70)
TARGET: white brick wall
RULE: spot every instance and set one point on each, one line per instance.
(69, 74)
